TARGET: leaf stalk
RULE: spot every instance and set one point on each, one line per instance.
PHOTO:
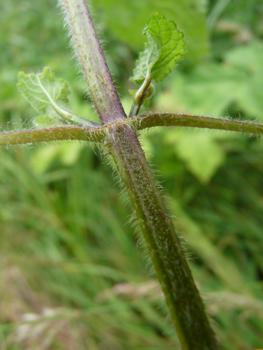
(140, 95)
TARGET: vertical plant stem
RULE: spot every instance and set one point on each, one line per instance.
(90, 56)
(182, 296)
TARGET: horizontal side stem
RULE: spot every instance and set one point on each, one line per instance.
(182, 296)
(97, 134)
(194, 121)
(52, 134)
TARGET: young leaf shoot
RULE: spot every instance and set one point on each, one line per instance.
(164, 48)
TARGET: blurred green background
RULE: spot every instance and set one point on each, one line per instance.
(72, 275)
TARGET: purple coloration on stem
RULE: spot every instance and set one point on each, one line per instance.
(182, 296)
(90, 56)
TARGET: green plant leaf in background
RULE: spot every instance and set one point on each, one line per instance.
(200, 152)
(248, 59)
(68, 153)
(237, 81)
(47, 95)
(164, 48)
(126, 19)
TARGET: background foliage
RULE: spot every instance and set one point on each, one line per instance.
(72, 274)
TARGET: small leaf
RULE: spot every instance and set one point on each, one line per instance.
(48, 95)
(164, 48)
(41, 89)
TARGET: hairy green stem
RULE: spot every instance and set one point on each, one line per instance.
(51, 134)
(195, 121)
(90, 56)
(140, 96)
(97, 134)
(182, 296)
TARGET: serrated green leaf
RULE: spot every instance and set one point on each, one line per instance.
(41, 89)
(165, 47)
(48, 95)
